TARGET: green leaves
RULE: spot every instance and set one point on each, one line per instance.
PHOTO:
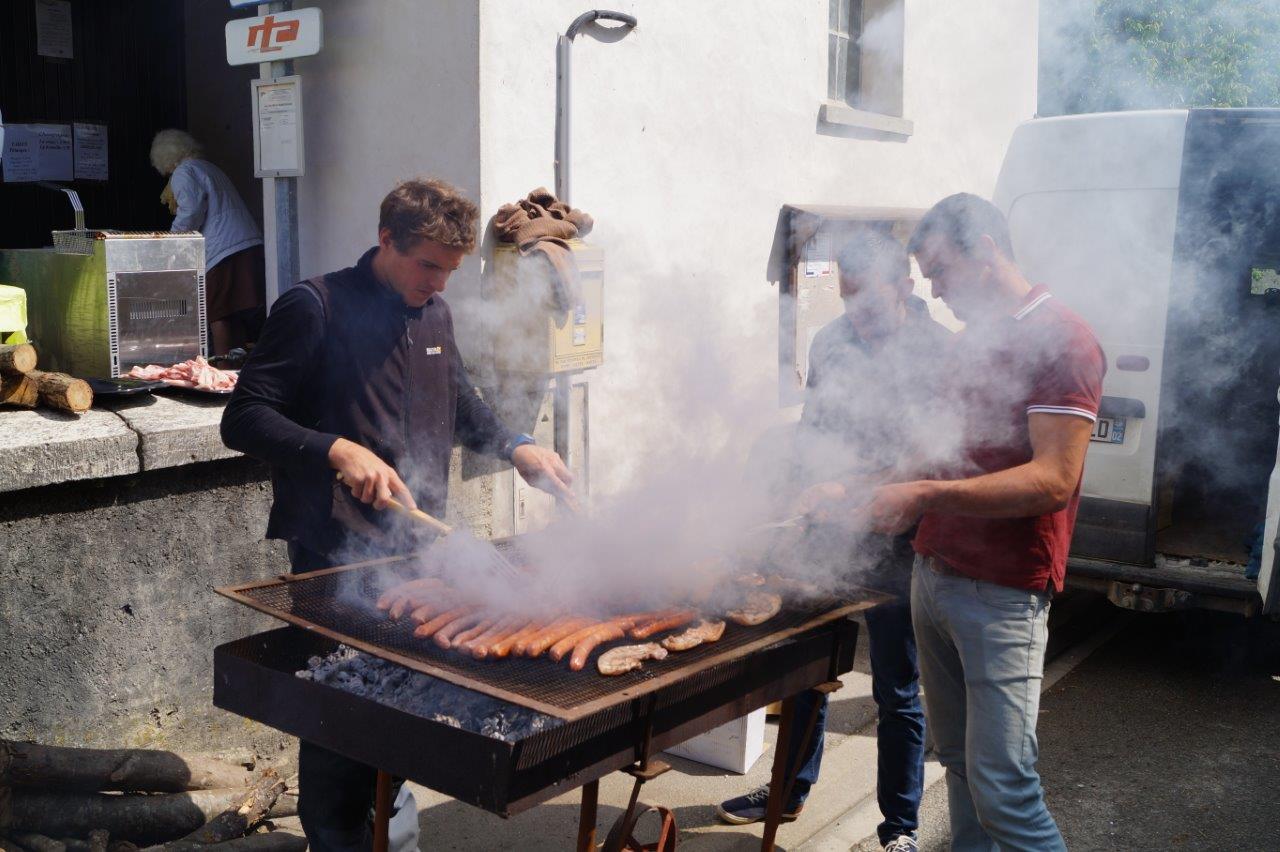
(1100, 55)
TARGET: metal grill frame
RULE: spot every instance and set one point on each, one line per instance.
(255, 677)
(470, 674)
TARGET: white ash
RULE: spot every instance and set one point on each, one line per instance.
(423, 695)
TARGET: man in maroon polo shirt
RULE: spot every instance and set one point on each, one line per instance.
(995, 520)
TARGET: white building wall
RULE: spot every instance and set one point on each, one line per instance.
(689, 135)
(393, 94)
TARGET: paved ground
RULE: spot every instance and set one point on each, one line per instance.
(1168, 737)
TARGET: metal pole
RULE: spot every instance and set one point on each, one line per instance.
(283, 190)
(561, 394)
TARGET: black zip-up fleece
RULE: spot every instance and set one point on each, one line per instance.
(343, 356)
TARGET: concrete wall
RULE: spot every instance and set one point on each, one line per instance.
(108, 618)
(689, 135)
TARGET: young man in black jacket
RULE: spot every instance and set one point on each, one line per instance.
(357, 375)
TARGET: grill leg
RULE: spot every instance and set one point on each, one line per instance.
(587, 817)
(784, 776)
(382, 812)
(773, 811)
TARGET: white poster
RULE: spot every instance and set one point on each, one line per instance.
(53, 28)
(54, 151)
(20, 154)
(90, 151)
(277, 110)
(38, 152)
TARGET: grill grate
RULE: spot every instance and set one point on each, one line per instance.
(339, 603)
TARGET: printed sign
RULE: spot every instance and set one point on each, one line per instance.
(274, 37)
(53, 28)
(277, 127)
(37, 152)
(90, 151)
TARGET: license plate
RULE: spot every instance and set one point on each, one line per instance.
(1108, 430)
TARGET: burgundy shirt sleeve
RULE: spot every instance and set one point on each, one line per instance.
(1070, 378)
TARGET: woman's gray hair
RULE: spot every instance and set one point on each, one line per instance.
(171, 147)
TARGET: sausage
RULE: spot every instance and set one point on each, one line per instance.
(550, 636)
(478, 627)
(521, 648)
(479, 646)
(387, 598)
(570, 641)
(414, 594)
(426, 631)
(444, 636)
(505, 646)
(676, 619)
(600, 635)
(430, 609)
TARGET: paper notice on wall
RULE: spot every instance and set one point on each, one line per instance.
(278, 114)
(20, 154)
(53, 28)
(37, 152)
(817, 256)
(90, 151)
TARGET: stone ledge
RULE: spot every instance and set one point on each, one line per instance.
(174, 431)
(116, 438)
(43, 447)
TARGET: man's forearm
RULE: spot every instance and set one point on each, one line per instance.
(1024, 491)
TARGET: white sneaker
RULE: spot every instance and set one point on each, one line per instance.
(902, 843)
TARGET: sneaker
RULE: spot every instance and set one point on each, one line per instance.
(742, 810)
(902, 843)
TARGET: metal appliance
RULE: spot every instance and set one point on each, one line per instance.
(100, 302)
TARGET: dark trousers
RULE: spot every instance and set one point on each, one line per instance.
(336, 793)
(895, 686)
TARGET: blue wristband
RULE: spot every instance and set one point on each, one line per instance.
(517, 441)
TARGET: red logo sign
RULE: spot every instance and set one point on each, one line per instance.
(270, 34)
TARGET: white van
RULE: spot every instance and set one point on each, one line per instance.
(1162, 229)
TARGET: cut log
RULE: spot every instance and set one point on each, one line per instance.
(17, 358)
(142, 819)
(127, 770)
(98, 839)
(58, 390)
(19, 390)
(235, 821)
(37, 842)
(272, 841)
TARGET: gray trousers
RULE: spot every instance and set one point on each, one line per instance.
(981, 652)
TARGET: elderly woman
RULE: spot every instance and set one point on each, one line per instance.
(235, 270)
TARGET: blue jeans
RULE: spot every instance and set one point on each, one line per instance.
(899, 733)
(981, 663)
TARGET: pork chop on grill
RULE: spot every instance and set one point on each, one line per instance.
(758, 608)
(627, 658)
(703, 631)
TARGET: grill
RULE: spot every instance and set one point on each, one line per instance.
(338, 603)
(603, 724)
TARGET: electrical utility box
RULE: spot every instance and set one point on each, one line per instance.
(810, 287)
(529, 334)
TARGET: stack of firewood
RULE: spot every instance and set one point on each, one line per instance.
(23, 385)
(55, 799)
